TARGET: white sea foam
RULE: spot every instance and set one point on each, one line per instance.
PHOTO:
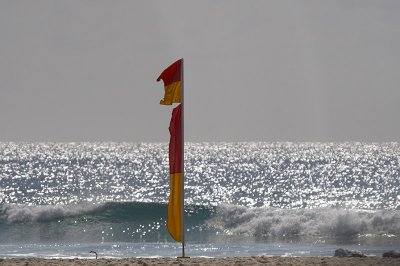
(23, 213)
(274, 222)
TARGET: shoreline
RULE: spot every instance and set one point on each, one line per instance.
(253, 260)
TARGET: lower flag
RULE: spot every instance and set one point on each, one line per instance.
(175, 203)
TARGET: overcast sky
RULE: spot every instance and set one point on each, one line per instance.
(254, 70)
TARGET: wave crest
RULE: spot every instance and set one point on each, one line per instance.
(42, 213)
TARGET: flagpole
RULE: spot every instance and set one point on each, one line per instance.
(183, 161)
(171, 77)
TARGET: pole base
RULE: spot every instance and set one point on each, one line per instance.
(183, 257)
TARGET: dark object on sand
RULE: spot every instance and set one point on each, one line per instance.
(341, 253)
(391, 254)
(93, 252)
(348, 253)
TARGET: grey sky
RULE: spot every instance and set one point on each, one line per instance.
(254, 70)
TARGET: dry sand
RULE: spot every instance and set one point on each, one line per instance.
(205, 261)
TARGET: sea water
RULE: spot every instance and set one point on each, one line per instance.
(241, 199)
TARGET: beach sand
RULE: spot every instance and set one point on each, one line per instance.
(205, 261)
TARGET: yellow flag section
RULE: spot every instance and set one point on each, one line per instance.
(174, 220)
(172, 83)
(175, 203)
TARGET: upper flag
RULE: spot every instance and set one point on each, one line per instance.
(172, 77)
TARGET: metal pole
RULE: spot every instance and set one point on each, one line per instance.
(183, 162)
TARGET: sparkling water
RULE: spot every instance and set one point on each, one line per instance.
(250, 198)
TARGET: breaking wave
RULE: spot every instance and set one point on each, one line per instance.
(274, 222)
(138, 221)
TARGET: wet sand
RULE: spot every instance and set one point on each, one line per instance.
(205, 261)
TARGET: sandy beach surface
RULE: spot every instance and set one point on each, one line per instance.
(205, 261)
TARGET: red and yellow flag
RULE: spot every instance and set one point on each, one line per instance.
(172, 77)
(172, 83)
(175, 204)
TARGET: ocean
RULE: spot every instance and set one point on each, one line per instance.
(63, 200)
